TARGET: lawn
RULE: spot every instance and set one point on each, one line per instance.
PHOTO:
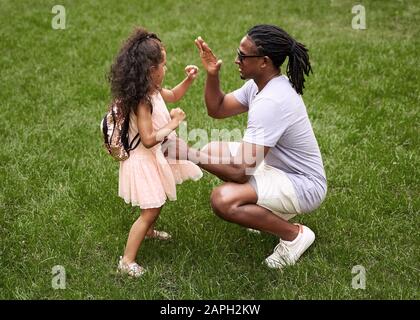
(58, 189)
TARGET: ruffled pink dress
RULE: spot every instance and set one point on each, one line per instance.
(147, 178)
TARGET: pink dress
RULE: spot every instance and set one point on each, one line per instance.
(147, 178)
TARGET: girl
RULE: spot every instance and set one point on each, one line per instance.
(146, 178)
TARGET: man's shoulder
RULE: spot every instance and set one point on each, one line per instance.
(280, 87)
(280, 93)
(250, 85)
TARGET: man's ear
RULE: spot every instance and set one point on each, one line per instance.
(265, 62)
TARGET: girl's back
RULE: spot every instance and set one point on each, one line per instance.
(160, 118)
(147, 179)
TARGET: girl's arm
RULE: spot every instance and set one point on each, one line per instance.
(175, 94)
(149, 137)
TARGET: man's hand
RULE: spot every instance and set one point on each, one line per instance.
(209, 60)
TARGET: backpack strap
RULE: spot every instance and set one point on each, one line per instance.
(132, 141)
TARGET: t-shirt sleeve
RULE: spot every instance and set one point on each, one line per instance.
(267, 121)
(243, 93)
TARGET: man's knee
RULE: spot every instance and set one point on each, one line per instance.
(216, 201)
(222, 203)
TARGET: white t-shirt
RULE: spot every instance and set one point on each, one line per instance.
(277, 118)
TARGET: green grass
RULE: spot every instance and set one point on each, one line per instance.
(58, 191)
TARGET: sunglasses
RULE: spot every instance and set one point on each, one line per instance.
(242, 56)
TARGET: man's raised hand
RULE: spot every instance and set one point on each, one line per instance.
(209, 60)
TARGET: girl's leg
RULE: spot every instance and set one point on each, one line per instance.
(152, 233)
(151, 229)
(138, 232)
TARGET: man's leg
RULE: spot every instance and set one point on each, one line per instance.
(237, 203)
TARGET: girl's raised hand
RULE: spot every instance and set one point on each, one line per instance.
(191, 71)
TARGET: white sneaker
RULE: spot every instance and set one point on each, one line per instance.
(132, 269)
(288, 252)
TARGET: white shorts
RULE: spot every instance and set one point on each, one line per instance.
(274, 189)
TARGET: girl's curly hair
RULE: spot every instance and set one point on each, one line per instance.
(130, 73)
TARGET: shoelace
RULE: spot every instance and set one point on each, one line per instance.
(283, 253)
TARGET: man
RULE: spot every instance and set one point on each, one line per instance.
(276, 172)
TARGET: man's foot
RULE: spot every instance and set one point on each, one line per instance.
(160, 235)
(131, 269)
(288, 252)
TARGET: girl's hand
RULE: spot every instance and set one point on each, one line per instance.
(177, 114)
(191, 71)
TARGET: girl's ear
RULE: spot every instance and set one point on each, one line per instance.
(152, 69)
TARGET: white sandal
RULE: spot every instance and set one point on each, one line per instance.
(250, 230)
(160, 235)
(133, 269)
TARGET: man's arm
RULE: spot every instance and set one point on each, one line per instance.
(234, 169)
(219, 105)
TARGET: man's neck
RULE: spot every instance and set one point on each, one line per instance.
(265, 78)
